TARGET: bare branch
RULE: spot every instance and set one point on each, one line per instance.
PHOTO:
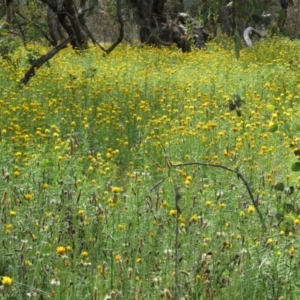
(237, 172)
(204, 164)
(157, 184)
(121, 30)
(35, 25)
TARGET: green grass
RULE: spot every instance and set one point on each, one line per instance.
(95, 147)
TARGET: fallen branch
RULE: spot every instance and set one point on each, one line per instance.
(249, 31)
(43, 59)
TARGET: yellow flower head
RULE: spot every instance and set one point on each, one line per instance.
(28, 196)
(115, 189)
(6, 280)
(80, 212)
(61, 250)
(84, 254)
(118, 257)
(173, 212)
(251, 209)
(194, 218)
(45, 186)
(121, 227)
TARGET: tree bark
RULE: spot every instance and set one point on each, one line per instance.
(68, 18)
(150, 14)
(282, 19)
(70, 9)
(54, 27)
(224, 20)
(157, 29)
(298, 20)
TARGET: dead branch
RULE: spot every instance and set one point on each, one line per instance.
(121, 29)
(248, 31)
(236, 171)
(43, 59)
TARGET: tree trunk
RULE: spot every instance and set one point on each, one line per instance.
(157, 29)
(298, 20)
(150, 16)
(9, 16)
(5, 50)
(224, 19)
(54, 27)
(67, 15)
(282, 18)
(71, 11)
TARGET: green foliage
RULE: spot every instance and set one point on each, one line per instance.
(247, 8)
(7, 47)
(296, 166)
(273, 127)
(237, 45)
(279, 186)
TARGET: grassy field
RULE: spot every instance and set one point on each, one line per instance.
(151, 174)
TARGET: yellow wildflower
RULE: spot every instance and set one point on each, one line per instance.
(6, 280)
(60, 250)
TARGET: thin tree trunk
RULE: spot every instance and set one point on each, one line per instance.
(68, 19)
(224, 20)
(121, 30)
(9, 16)
(90, 35)
(72, 14)
(150, 14)
(54, 27)
(298, 20)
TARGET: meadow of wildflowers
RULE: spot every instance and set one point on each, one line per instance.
(101, 193)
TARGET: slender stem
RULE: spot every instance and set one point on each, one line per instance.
(157, 184)
(177, 198)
